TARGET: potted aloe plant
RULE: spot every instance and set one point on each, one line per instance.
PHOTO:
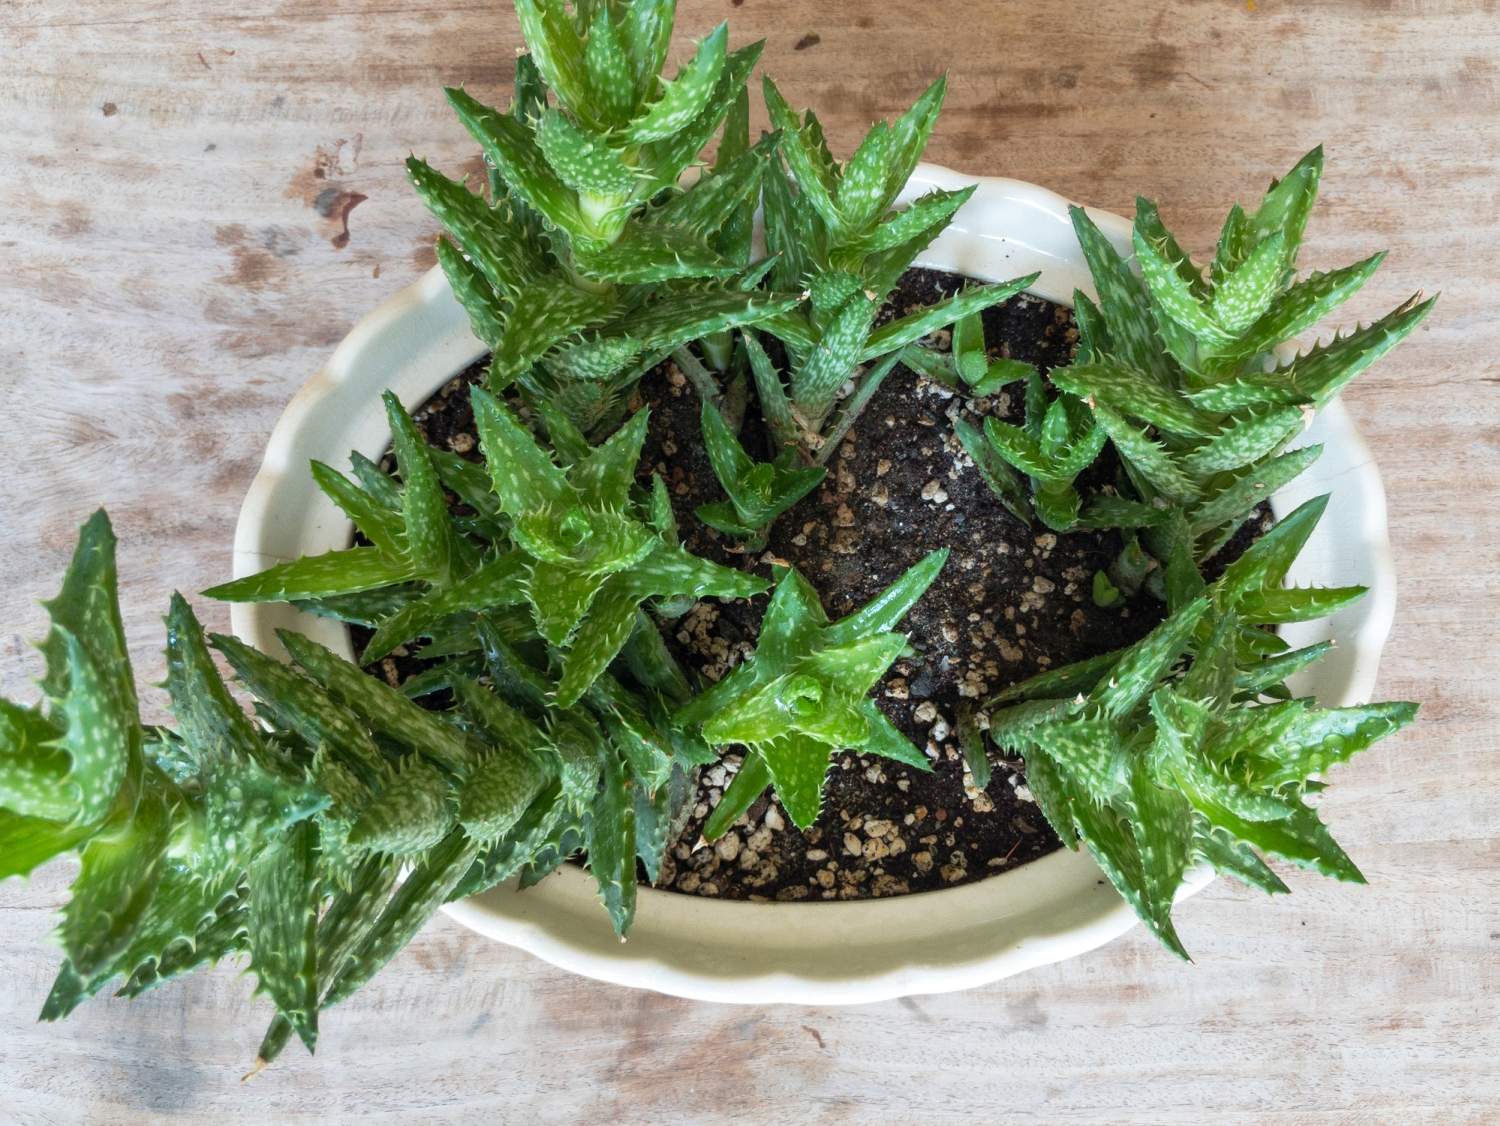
(792, 667)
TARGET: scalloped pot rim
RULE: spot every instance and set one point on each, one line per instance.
(806, 953)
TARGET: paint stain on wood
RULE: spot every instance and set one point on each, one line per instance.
(322, 187)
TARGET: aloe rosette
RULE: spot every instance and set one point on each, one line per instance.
(839, 238)
(588, 264)
(1188, 747)
(802, 695)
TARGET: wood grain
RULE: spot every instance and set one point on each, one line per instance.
(175, 184)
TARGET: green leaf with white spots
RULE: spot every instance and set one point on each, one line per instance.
(1244, 296)
(120, 868)
(377, 704)
(797, 765)
(909, 137)
(429, 534)
(1142, 665)
(646, 32)
(654, 254)
(546, 312)
(317, 576)
(914, 326)
(1304, 305)
(675, 319)
(1173, 296)
(413, 811)
(1235, 501)
(421, 893)
(704, 208)
(1317, 740)
(491, 242)
(300, 704)
(887, 741)
(611, 81)
(581, 161)
(1149, 225)
(33, 768)
(513, 150)
(1244, 439)
(600, 636)
(684, 98)
(1162, 823)
(560, 597)
(1326, 370)
(1134, 393)
(524, 475)
(1122, 299)
(100, 735)
(1297, 604)
(498, 791)
(556, 48)
(285, 894)
(861, 192)
(1147, 456)
(610, 836)
(501, 582)
(803, 159)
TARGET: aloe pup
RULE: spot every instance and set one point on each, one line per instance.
(580, 547)
(1180, 369)
(801, 697)
(757, 493)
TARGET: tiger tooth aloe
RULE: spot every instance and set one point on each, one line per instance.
(588, 264)
(757, 493)
(283, 841)
(591, 556)
(1179, 369)
(1156, 768)
(801, 696)
(840, 242)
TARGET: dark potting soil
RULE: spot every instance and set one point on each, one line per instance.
(1011, 602)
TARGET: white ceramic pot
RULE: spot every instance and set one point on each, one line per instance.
(810, 953)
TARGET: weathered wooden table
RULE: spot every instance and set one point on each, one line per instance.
(197, 201)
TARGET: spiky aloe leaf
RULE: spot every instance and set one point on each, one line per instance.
(684, 98)
(500, 582)
(1122, 301)
(301, 705)
(1134, 393)
(610, 836)
(489, 239)
(512, 149)
(424, 890)
(120, 868)
(33, 768)
(655, 254)
(285, 893)
(411, 812)
(801, 695)
(498, 791)
(377, 704)
(914, 326)
(317, 576)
